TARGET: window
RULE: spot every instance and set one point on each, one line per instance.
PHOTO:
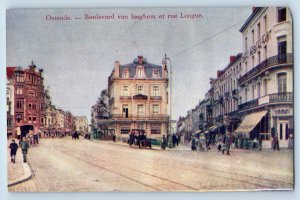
(253, 93)
(252, 36)
(155, 109)
(19, 77)
(258, 57)
(155, 73)
(34, 119)
(140, 89)
(246, 94)
(125, 90)
(125, 73)
(19, 117)
(281, 81)
(155, 128)
(281, 47)
(29, 118)
(265, 85)
(246, 44)
(31, 93)
(20, 104)
(265, 52)
(125, 110)
(281, 12)
(258, 30)
(33, 107)
(140, 72)
(140, 109)
(265, 23)
(258, 90)
(253, 61)
(155, 91)
(19, 91)
(29, 106)
(125, 130)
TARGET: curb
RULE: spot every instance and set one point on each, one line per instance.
(28, 174)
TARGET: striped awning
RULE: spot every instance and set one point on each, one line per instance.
(250, 121)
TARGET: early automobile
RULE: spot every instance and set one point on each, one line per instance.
(138, 137)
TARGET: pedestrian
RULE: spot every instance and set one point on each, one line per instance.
(114, 137)
(36, 136)
(178, 140)
(260, 142)
(24, 144)
(227, 143)
(275, 143)
(163, 142)
(18, 130)
(13, 150)
(174, 140)
(219, 145)
(194, 144)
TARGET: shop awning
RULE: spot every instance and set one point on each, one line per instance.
(197, 133)
(250, 121)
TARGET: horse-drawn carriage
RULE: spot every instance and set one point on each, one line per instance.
(138, 138)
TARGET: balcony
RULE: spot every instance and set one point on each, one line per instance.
(140, 97)
(274, 60)
(159, 98)
(282, 97)
(227, 95)
(125, 97)
(140, 116)
(249, 104)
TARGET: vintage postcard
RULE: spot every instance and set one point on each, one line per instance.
(150, 99)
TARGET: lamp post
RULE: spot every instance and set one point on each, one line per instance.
(164, 61)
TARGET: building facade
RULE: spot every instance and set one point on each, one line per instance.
(266, 86)
(138, 98)
(28, 97)
(81, 124)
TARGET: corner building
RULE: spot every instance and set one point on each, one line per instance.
(138, 98)
(266, 84)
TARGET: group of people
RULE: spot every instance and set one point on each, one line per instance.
(23, 144)
(171, 141)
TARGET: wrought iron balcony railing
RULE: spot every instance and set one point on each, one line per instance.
(140, 116)
(249, 104)
(274, 60)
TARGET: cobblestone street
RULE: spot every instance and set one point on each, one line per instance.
(84, 165)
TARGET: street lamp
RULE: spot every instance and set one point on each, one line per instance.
(164, 61)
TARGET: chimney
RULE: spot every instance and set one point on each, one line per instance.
(140, 59)
(219, 73)
(231, 58)
(117, 69)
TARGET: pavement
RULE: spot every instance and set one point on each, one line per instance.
(19, 171)
(66, 165)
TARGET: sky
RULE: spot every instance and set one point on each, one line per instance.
(78, 55)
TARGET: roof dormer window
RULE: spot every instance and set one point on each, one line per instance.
(140, 72)
(155, 73)
(125, 73)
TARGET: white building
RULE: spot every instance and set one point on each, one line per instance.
(266, 84)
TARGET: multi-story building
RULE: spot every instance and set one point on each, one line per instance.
(81, 124)
(138, 98)
(266, 86)
(10, 99)
(28, 96)
(226, 90)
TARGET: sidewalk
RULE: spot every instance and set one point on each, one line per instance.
(17, 172)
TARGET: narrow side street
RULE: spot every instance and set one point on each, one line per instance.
(83, 165)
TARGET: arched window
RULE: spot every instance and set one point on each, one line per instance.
(125, 73)
(140, 72)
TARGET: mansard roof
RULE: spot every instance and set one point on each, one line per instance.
(148, 67)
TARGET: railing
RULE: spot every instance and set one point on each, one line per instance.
(152, 116)
(140, 97)
(274, 60)
(155, 98)
(281, 97)
(249, 104)
(125, 97)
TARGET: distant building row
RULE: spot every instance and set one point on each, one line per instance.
(29, 103)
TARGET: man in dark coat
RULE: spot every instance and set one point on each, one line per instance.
(13, 150)
(174, 140)
(164, 142)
